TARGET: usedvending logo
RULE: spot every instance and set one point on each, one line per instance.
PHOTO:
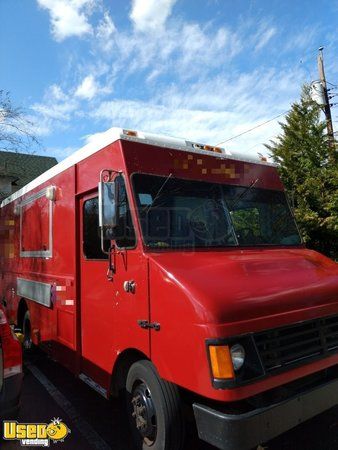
(35, 434)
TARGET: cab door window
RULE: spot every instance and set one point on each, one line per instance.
(91, 231)
(125, 232)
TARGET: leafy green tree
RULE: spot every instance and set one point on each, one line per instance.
(309, 169)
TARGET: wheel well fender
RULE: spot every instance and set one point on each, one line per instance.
(121, 367)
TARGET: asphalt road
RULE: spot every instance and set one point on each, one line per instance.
(98, 424)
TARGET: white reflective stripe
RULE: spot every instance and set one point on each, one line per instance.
(14, 370)
(67, 302)
(60, 288)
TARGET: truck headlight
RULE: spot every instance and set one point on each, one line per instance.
(238, 356)
(234, 361)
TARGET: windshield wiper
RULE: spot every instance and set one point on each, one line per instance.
(147, 209)
(242, 194)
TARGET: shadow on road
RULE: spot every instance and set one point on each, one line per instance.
(107, 420)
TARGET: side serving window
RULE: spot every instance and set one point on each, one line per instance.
(91, 232)
(36, 226)
(125, 232)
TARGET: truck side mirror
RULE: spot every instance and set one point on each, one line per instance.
(108, 203)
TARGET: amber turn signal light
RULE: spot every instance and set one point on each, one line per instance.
(221, 362)
(130, 133)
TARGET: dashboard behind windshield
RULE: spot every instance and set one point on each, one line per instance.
(179, 213)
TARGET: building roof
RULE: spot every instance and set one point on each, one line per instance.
(101, 140)
(23, 167)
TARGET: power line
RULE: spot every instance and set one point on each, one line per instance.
(279, 115)
(253, 128)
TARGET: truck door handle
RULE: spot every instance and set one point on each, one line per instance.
(149, 325)
(129, 286)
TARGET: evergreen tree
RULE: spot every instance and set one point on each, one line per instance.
(309, 170)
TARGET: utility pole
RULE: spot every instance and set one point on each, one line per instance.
(327, 108)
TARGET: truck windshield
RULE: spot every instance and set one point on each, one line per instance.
(177, 213)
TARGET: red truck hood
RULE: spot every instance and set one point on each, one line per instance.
(236, 285)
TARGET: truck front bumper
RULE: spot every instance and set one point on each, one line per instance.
(247, 430)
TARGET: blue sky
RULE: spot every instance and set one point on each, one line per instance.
(205, 70)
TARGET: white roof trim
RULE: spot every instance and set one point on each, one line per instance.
(101, 140)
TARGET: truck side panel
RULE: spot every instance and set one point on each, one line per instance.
(33, 218)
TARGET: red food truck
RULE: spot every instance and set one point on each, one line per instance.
(174, 271)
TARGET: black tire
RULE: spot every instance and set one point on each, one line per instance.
(154, 409)
(27, 331)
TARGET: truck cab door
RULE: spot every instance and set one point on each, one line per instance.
(111, 305)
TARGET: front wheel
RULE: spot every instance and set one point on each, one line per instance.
(154, 409)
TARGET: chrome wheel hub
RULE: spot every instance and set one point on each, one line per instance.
(143, 411)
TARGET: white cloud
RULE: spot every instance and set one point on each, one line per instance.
(105, 33)
(90, 138)
(54, 112)
(183, 49)
(56, 93)
(60, 153)
(205, 126)
(210, 111)
(68, 17)
(304, 39)
(150, 15)
(186, 79)
(56, 105)
(88, 88)
(154, 74)
(264, 38)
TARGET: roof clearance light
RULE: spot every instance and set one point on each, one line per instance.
(210, 148)
(51, 193)
(130, 133)
(262, 157)
(16, 210)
